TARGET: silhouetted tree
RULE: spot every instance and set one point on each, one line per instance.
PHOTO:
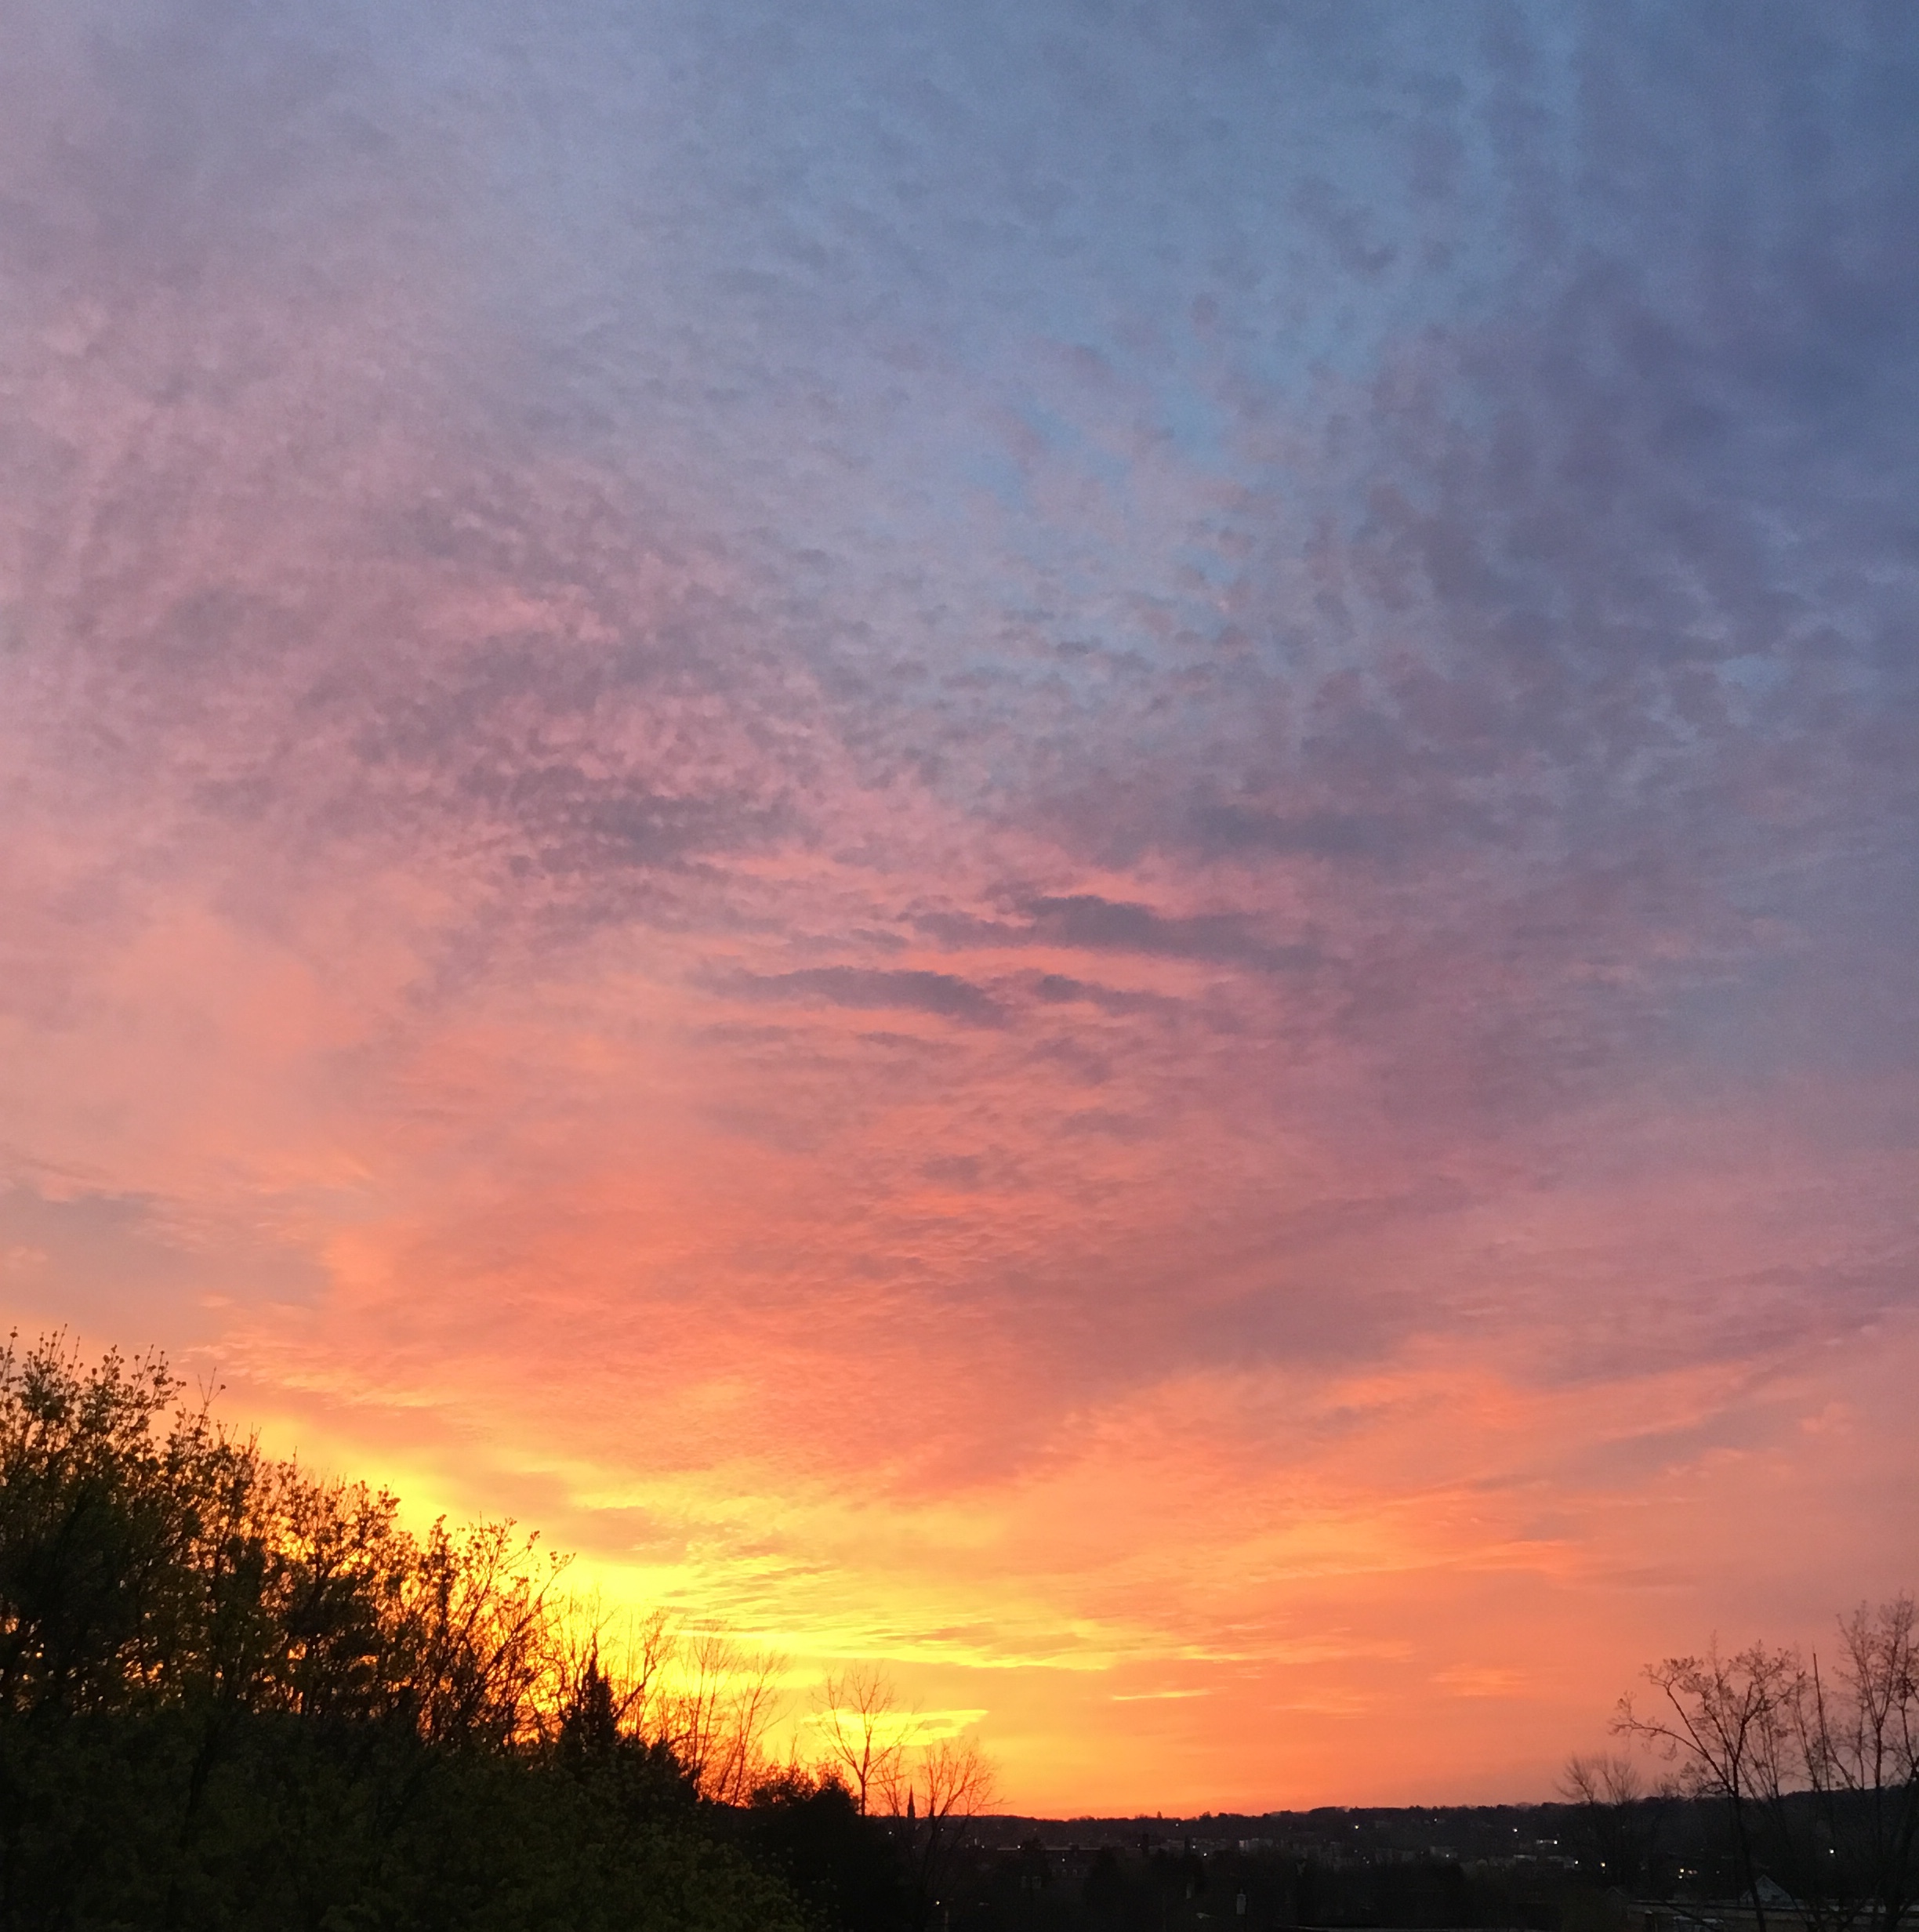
(841, 1864)
(931, 1802)
(865, 1735)
(589, 1727)
(1616, 1822)
(1726, 1723)
(716, 1720)
(1857, 1730)
(234, 1696)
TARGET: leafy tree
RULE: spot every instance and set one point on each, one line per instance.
(841, 1864)
(235, 1696)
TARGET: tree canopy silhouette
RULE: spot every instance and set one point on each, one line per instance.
(235, 1695)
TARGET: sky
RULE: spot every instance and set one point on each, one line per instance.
(1076, 843)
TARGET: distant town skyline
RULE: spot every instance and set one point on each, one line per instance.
(1071, 843)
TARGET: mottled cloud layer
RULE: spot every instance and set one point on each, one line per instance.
(1076, 843)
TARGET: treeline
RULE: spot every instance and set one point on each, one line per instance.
(1617, 1857)
(1166, 1888)
(233, 1695)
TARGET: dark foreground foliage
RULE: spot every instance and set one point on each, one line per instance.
(232, 1696)
(186, 1818)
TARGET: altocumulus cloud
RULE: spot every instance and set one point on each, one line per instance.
(1177, 745)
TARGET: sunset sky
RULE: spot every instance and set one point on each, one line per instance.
(1071, 841)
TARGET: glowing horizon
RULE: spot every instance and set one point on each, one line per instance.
(1071, 847)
